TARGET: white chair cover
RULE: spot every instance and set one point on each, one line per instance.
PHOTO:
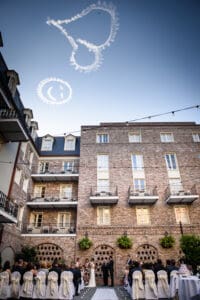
(66, 289)
(4, 285)
(15, 285)
(52, 286)
(39, 290)
(137, 286)
(162, 285)
(173, 283)
(150, 285)
(27, 286)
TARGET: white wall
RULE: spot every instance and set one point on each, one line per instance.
(8, 152)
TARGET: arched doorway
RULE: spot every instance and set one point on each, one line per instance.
(100, 253)
(147, 253)
(7, 254)
(49, 252)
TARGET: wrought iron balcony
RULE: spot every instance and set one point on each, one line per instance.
(179, 195)
(8, 210)
(55, 173)
(12, 126)
(51, 201)
(44, 228)
(104, 195)
(148, 195)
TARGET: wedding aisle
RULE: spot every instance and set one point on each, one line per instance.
(105, 294)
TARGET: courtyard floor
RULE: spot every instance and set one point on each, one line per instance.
(103, 293)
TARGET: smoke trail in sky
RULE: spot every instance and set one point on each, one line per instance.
(62, 91)
(96, 49)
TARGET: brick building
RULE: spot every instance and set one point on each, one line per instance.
(139, 180)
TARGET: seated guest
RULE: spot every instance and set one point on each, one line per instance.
(55, 267)
(183, 269)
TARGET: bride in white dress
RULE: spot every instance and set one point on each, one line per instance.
(92, 281)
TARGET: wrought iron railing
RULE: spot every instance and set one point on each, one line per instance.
(178, 190)
(51, 197)
(7, 205)
(48, 228)
(101, 191)
(146, 191)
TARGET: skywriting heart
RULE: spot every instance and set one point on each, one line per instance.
(96, 49)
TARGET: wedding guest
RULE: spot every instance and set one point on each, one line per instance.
(183, 269)
(111, 270)
(92, 280)
(76, 277)
(129, 260)
(86, 271)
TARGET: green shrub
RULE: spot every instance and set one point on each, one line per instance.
(167, 241)
(190, 245)
(27, 253)
(85, 243)
(124, 242)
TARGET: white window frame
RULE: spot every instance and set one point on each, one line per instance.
(175, 185)
(196, 137)
(102, 219)
(137, 161)
(36, 219)
(39, 191)
(68, 166)
(25, 184)
(102, 138)
(24, 148)
(31, 159)
(179, 212)
(47, 143)
(18, 174)
(66, 191)
(138, 186)
(170, 162)
(43, 167)
(70, 143)
(64, 220)
(135, 137)
(166, 137)
(140, 219)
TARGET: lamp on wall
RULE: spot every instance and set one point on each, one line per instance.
(125, 233)
(166, 233)
(86, 234)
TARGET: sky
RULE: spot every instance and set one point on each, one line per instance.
(150, 65)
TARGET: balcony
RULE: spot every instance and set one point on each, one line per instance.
(177, 195)
(12, 126)
(51, 201)
(48, 229)
(57, 174)
(144, 196)
(104, 195)
(8, 210)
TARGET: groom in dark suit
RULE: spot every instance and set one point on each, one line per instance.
(104, 269)
(111, 270)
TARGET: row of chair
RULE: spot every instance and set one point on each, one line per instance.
(149, 289)
(41, 286)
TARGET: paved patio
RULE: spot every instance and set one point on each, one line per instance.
(103, 293)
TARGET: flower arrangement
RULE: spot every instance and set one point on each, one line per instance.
(167, 241)
(124, 242)
(85, 243)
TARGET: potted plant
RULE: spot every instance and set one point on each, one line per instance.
(85, 243)
(167, 241)
(124, 242)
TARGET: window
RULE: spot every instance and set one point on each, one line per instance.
(103, 215)
(64, 219)
(44, 167)
(142, 215)
(25, 185)
(135, 138)
(18, 174)
(47, 143)
(175, 185)
(68, 166)
(70, 143)
(66, 191)
(171, 161)
(196, 137)
(39, 191)
(139, 185)
(31, 159)
(36, 219)
(181, 214)
(137, 162)
(166, 137)
(102, 138)
(102, 173)
(23, 148)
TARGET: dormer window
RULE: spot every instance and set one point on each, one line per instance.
(70, 141)
(13, 81)
(47, 143)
